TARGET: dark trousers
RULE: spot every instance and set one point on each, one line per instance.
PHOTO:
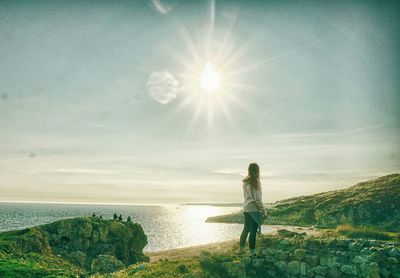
(250, 226)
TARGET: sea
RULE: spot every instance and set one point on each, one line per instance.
(167, 227)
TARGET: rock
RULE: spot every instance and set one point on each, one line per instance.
(269, 258)
(234, 269)
(281, 265)
(281, 255)
(106, 264)
(394, 252)
(334, 272)
(344, 243)
(384, 272)
(303, 268)
(321, 270)
(85, 230)
(349, 270)
(34, 240)
(392, 260)
(377, 257)
(312, 260)
(80, 258)
(283, 244)
(355, 246)
(374, 270)
(299, 254)
(293, 268)
(328, 260)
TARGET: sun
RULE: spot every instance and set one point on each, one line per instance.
(210, 79)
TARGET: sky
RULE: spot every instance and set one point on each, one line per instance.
(110, 101)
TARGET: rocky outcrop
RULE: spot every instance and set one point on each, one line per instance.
(92, 243)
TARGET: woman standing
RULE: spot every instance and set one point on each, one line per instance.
(253, 208)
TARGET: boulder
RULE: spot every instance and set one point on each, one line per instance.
(106, 264)
(293, 268)
(299, 254)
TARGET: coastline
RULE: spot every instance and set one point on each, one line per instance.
(218, 247)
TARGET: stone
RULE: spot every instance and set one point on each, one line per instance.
(392, 260)
(361, 260)
(384, 272)
(334, 272)
(281, 255)
(79, 257)
(234, 269)
(349, 270)
(284, 244)
(303, 268)
(328, 260)
(355, 246)
(321, 270)
(344, 243)
(293, 268)
(312, 260)
(281, 265)
(374, 270)
(85, 230)
(377, 257)
(299, 254)
(106, 264)
(269, 258)
(394, 252)
(95, 236)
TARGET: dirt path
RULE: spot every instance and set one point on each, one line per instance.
(218, 247)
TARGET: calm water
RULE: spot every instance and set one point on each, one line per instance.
(166, 227)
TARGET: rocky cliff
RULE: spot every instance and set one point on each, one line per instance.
(371, 203)
(91, 243)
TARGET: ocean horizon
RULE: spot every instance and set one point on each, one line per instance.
(166, 226)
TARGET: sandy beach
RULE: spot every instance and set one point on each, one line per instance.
(218, 247)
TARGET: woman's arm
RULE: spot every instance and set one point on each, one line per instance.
(258, 199)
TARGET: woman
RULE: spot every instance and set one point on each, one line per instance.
(253, 208)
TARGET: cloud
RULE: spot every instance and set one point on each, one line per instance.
(162, 87)
(161, 6)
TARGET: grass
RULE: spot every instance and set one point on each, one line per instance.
(36, 265)
(364, 232)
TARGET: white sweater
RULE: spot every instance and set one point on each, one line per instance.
(252, 198)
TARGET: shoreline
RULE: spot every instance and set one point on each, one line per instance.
(218, 247)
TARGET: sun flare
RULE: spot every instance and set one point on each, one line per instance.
(210, 79)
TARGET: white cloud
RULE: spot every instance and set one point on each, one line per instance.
(162, 86)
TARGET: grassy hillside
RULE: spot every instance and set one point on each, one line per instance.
(370, 203)
(71, 248)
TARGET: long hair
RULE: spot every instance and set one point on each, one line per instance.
(253, 176)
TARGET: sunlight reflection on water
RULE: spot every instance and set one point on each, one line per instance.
(166, 227)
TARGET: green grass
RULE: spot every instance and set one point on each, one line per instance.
(364, 232)
(163, 268)
(36, 265)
